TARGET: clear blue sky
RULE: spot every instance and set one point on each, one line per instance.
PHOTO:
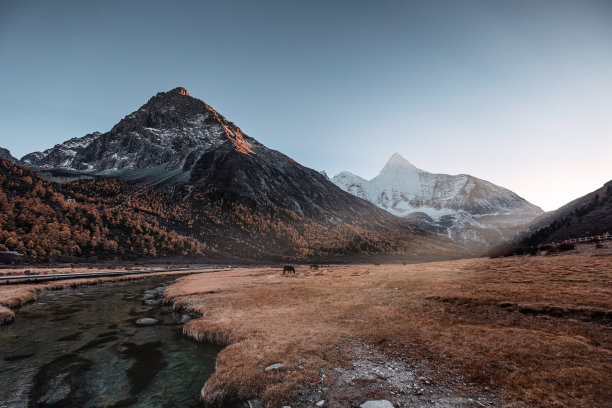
(515, 92)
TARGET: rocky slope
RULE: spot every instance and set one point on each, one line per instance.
(586, 216)
(473, 212)
(200, 174)
(6, 155)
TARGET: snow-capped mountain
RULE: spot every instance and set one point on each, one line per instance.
(474, 212)
(229, 188)
(5, 154)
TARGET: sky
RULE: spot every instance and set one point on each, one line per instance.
(518, 93)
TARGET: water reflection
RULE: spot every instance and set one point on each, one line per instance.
(112, 345)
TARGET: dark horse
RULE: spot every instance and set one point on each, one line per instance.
(288, 269)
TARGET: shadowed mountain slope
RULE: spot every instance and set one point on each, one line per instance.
(586, 216)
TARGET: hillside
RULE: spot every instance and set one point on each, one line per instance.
(40, 220)
(585, 216)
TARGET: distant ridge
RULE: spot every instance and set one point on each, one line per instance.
(473, 212)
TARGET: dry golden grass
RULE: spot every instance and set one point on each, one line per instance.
(6, 315)
(72, 269)
(536, 330)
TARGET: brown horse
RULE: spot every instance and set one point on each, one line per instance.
(288, 269)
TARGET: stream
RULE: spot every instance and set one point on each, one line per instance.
(109, 345)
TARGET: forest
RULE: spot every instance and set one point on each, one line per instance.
(43, 220)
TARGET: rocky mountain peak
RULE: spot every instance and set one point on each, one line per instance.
(169, 133)
(5, 154)
(180, 90)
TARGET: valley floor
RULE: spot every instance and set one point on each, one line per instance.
(522, 331)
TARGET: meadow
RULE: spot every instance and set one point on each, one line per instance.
(520, 331)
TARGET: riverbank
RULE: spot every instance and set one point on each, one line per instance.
(524, 331)
(13, 296)
(107, 345)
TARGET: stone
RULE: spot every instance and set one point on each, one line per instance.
(376, 404)
(320, 403)
(274, 366)
(144, 321)
(255, 403)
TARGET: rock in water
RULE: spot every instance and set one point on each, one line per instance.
(60, 383)
(144, 321)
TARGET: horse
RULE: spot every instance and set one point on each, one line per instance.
(288, 269)
(314, 267)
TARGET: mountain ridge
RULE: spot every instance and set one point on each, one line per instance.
(474, 212)
(193, 170)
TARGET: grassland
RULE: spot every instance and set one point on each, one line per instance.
(523, 331)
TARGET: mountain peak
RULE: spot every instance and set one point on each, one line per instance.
(6, 155)
(179, 90)
(397, 162)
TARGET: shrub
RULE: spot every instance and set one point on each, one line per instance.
(566, 246)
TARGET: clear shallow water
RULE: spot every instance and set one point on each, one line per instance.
(83, 347)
